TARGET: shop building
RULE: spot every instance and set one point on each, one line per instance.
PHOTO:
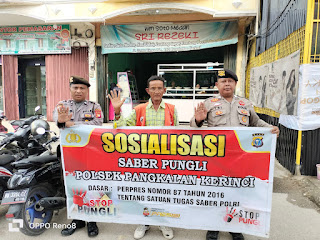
(192, 33)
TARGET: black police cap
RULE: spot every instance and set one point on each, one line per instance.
(226, 73)
(79, 80)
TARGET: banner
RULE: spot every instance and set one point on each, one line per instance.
(210, 179)
(308, 117)
(41, 39)
(258, 85)
(275, 85)
(163, 37)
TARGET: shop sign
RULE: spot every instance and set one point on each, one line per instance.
(162, 37)
(37, 39)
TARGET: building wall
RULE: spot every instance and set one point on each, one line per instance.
(131, 12)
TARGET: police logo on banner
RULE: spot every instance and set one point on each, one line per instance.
(72, 137)
(257, 140)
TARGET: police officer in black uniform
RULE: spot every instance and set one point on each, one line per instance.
(77, 111)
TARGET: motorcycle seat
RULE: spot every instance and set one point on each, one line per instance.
(16, 122)
(34, 161)
(6, 158)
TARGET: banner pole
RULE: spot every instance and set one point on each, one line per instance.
(306, 60)
(298, 154)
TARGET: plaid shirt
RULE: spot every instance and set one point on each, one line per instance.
(153, 117)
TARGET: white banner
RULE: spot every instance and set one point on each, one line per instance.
(309, 100)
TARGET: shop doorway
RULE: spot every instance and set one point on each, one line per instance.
(32, 85)
(143, 65)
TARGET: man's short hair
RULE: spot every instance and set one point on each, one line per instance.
(155, 77)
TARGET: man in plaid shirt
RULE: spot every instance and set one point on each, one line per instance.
(153, 113)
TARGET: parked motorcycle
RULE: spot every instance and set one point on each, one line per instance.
(29, 143)
(6, 126)
(37, 190)
(11, 143)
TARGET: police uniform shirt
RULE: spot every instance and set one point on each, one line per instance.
(237, 113)
(88, 112)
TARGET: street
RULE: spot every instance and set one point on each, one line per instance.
(294, 217)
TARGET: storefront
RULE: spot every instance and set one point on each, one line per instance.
(169, 24)
(37, 62)
(187, 55)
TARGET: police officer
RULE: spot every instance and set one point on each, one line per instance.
(74, 112)
(227, 110)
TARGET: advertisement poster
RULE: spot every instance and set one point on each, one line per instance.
(308, 117)
(40, 39)
(164, 37)
(275, 85)
(258, 86)
(123, 83)
(209, 179)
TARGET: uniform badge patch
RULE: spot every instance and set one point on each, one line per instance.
(214, 99)
(97, 113)
(257, 140)
(88, 115)
(244, 119)
(218, 113)
(221, 73)
(244, 111)
(241, 103)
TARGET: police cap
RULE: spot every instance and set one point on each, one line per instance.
(226, 73)
(79, 80)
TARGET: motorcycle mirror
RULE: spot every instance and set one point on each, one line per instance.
(36, 109)
(40, 131)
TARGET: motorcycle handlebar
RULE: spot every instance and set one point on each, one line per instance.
(53, 139)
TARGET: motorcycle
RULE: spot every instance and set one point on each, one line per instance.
(29, 143)
(36, 191)
(9, 142)
(6, 126)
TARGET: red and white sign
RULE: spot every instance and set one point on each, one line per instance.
(210, 179)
